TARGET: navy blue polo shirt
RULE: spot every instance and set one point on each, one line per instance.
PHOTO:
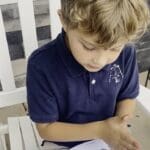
(60, 89)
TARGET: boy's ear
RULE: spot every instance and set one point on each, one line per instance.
(59, 12)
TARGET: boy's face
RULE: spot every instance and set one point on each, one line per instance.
(87, 53)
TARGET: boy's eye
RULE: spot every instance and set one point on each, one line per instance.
(88, 48)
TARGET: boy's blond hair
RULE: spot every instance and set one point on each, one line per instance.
(112, 21)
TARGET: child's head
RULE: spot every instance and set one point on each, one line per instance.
(105, 23)
(111, 20)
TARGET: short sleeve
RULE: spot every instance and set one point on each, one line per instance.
(42, 103)
(130, 85)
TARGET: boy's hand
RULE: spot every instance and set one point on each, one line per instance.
(116, 134)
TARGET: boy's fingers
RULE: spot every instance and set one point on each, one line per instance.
(130, 141)
(137, 145)
(127, 146)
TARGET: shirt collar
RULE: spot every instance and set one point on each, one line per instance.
(74, 68)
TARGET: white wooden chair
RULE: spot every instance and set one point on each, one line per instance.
(10, 95)
(21, 130)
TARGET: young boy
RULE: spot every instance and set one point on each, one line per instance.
(82, 85)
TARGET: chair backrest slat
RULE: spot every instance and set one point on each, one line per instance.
(54, 5)
(6, 73)
(28, 26)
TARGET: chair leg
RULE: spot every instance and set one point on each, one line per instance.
(147, 78)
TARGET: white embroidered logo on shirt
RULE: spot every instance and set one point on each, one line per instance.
(115, 74)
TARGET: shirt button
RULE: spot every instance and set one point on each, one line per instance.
(93, 81)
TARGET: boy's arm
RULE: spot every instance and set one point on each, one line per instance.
(113, 131)
(59, 131)
(126, 107)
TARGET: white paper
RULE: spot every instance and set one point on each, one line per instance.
(92, 145)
